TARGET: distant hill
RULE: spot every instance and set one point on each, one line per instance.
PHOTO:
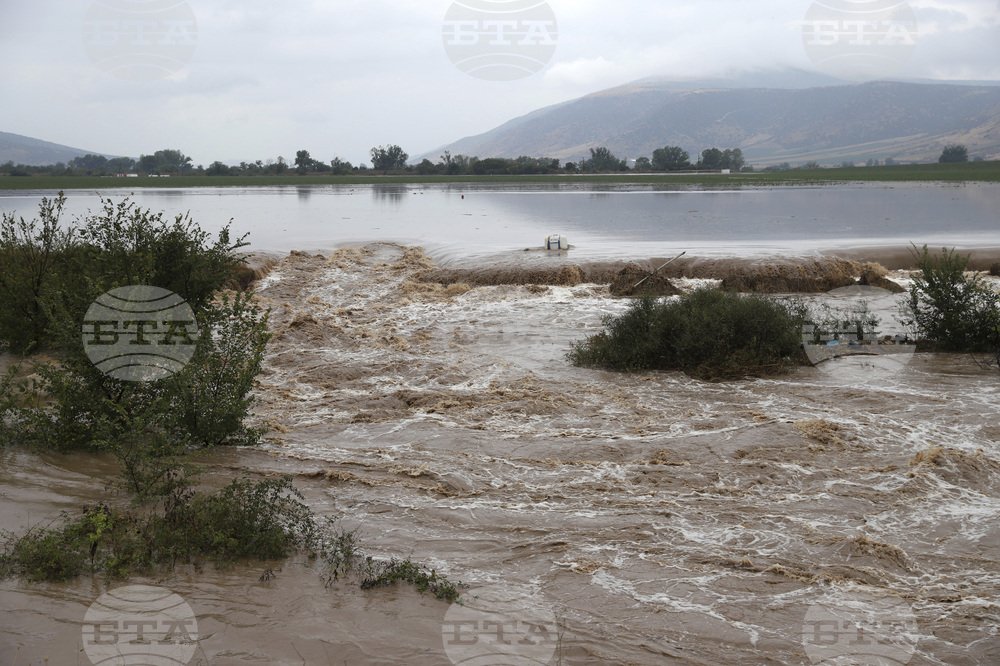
(829, 123)
(35, 152)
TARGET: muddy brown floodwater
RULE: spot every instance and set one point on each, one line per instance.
(849, 513)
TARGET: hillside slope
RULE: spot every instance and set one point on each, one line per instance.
(35, 152)
(830, 124)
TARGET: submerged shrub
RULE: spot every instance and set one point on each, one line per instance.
(245, 520)
(148, 426)
(261, 519)
(342, 556)
(955, 311)
(708, 333)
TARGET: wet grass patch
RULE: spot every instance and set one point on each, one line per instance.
(344, 558)
(245, 520)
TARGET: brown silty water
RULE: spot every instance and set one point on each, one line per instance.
(658, 518)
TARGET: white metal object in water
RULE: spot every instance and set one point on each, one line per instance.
(556, 242)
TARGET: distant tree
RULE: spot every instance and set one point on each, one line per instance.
(643, 164)
(525, 165)
(670, 158)
(303, 162)
(165, 161)
(889, 161)
(810, 165)
(147, 163)
(217, 169)
(281, 166)
(173, 161)
(954, 153)
(340, 167)
(118, 165)
(388, 158)
(733, 159)
(426, 168)
(847, 165)
(90, 164)
(491, 166)
(571, 167)
(711, 159)
(449, 165)
(602, 160)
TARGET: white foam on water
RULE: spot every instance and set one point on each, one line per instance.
(532, 451)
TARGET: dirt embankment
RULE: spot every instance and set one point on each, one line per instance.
(896, 258)
(766, 276)
(257, 266)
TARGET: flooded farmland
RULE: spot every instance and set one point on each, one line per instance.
(847, 514)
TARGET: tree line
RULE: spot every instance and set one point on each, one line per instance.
(387, 159)
(392, 159)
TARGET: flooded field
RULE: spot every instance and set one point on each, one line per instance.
(459, 224)
(848, 513)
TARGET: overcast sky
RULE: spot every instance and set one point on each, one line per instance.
(254, 79)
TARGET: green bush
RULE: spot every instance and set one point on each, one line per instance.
(264, 519)
(46, 554)
(205, 404)
(52, 272)
(148, 426)
(955, 311)
(35, 255)
(709, 334)
(245, 520)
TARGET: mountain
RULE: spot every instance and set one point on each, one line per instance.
(906, 121)
(35, 152)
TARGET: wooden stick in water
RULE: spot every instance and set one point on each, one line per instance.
(636, 285)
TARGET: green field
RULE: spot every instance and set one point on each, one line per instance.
(968, 172)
